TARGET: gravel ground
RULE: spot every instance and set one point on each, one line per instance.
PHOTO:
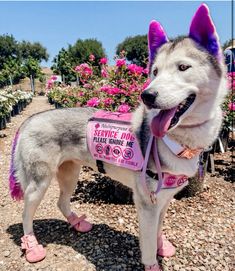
(202, 227)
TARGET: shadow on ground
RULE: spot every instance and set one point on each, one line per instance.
(101, 189)
(226, 169)
(105, 247)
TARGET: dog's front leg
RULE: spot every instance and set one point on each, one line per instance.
(148, 215)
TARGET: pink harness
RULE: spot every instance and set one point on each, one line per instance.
(110, 139)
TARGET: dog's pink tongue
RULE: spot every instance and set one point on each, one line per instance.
(162, 121)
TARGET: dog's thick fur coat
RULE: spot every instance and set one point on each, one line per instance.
(53, 144)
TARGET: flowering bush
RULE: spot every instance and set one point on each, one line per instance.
(231, 81)
(229, 104)
(116, 89)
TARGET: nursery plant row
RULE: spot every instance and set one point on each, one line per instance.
(12, 102)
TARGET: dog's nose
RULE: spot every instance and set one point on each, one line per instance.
(149, 98)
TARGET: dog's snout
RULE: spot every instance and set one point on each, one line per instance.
(149, 97)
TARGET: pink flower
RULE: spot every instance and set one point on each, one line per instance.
(231, 106)
(103, 60)
(84, 70)
(77, 68)
(105, 88)
(231, 80)
(108, 101)
(232, 74)
(145, 71)
(145, 85)
(134, 69)
(53, 77)
(133, 88)
(110, 90)
(93, 102)
(78, 104)
(104, 73)
(123, 108)
(49, 84)
(114, 90)
(89, 86)
(91, 57)
(120, 62)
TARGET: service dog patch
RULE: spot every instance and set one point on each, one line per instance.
(110, 139)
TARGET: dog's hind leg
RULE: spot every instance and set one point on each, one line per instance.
(67, 177)
(39, 177)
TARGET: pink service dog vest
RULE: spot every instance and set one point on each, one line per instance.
(110, 139)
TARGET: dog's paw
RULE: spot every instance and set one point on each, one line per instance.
(154, 267)
(165, 247)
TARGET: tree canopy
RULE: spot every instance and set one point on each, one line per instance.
(34, 50)
(18, 59)
(82, 49)
(63, 65)
(8, 49)
(67, 59)
(136, 49)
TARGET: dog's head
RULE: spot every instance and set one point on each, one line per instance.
(185, 73)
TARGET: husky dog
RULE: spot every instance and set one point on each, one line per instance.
(182, 102)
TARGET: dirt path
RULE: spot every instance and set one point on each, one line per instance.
(202, 228)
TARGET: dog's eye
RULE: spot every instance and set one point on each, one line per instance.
(183, 67)
(155, 71)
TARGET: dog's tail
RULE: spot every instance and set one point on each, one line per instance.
(15, 188)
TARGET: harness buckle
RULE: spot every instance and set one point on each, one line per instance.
(189, 153)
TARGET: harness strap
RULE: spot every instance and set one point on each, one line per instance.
(146, 159)
(158, 166)
(152, 194)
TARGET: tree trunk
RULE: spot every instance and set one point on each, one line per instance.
(32, 83)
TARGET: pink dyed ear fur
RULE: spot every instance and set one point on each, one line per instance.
(202, 30)
(156, 38)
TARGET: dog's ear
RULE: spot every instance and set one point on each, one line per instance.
(156, 38)
(202, 30)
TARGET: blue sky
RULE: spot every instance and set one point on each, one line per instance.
(57, 24)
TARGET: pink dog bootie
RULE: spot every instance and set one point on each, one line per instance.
(154, 267)
(165, 247)
(33, 251)
(79, 223)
